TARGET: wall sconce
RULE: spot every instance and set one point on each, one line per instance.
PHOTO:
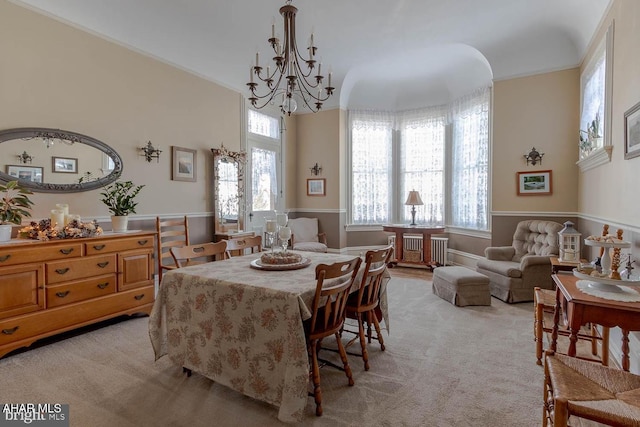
(534, 157)
(150, 152)
(316, 170)
(24, 158)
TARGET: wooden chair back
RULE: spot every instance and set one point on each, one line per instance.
(375, 264)
(244, 245)
(334, 282)
(197, 254)
(172, 232)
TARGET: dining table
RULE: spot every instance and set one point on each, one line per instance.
(242, 326)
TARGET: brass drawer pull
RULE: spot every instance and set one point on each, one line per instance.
(142, 242)
(66, 251)
(103, 285)
(4, 258)
(62, 294)
(103, 264)
(61, 270)
(139, 297)
(98, 247)
(10, 331)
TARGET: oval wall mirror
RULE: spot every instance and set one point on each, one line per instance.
(57, 161)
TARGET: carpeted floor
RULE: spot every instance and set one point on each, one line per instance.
(444, 366)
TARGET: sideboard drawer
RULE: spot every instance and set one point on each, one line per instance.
(63, 271)
(80, 290)
(36, 253)
(117, 245)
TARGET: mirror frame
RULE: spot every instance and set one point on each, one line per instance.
(239, 158)
(28, 133)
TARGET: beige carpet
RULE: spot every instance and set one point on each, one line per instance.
(444, 366)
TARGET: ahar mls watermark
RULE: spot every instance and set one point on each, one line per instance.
(39, 414)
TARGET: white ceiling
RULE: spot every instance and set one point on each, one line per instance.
(384, 54)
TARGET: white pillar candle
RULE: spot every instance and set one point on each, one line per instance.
(57, 218)
(63, 207)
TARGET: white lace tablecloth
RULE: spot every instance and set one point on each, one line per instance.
(242, 327)
(615, 293)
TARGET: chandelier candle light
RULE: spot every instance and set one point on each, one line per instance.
(413, 200)
(293, 75)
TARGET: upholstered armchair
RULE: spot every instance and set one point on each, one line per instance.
(515, 270)
(305, 235)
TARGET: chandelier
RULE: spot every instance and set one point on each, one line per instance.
(292, 75)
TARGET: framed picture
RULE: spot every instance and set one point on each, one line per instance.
(64, 165)
(25, 173)
(315, 187)
(534, 183)
(184, 164)
(632, 132)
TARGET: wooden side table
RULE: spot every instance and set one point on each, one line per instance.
(582, 308)
(401, 230)
(557, 266)
(226, 235)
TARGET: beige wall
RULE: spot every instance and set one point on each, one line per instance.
(319, 140)
(53, 75)
(537, 111)
(610, 192)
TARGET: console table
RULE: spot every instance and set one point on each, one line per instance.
(580, 308)
(401, 230)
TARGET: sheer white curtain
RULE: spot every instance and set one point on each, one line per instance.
(422, 151)
(593, 99)
(470, 160)
(371, 166)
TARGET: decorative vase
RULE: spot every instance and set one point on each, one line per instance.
(119, 223)
(5, 232)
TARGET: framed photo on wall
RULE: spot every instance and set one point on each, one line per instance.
(632, 132)
(184, 164)
(64, 165)
(534, 183)
(316, 187)
(25, 173)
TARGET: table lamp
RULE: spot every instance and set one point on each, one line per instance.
(413, 200)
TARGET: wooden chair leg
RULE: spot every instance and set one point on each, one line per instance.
(538, 325)
(345, 361)
(363, 342)
(376, 324)
(315, 373)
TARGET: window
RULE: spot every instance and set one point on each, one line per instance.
(371, 171)
(595, 106)
(264, 125)
(470, 161)
(394, 153)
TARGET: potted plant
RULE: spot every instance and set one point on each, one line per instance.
(14, 204)
(120, 200)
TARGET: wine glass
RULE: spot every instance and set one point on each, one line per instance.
(271, 227)
(285, 235)
(282, 219)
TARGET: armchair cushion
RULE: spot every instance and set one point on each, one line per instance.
(305, 229)
(305, 236)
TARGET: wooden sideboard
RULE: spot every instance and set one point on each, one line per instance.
(55, 286)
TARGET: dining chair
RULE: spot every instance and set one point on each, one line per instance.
(334, 282)
(193, 254)
(172, 232)
(362, 305)
(244, 245)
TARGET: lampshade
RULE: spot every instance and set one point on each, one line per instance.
(414, 199)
